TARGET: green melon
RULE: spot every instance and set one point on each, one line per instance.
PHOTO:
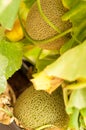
(38, 29)
(38, 108)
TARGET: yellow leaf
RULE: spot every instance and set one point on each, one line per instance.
(42, 81)
(16, 33)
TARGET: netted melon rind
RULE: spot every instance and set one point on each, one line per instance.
(37, 108)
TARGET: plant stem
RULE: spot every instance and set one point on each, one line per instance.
(46, 19)
(44, 41)
(44, 126)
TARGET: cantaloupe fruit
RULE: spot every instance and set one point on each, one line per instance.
(38, 108)
(38, 29)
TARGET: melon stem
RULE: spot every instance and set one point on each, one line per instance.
(44, 127)
(46, 19)
(44, 41)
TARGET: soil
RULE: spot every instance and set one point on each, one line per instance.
(12, 126)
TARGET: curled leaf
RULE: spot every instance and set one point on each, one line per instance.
(42, 81)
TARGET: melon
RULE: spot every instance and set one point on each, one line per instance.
(36, 108)
(38, 29)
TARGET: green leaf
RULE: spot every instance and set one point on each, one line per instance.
(77, 16)
(73, 123)
(71, 65)
(68, 45)
(77, 99)
(77, 9)
(82, 123)
(23, 11)
(32, 53)
(79, 34)
(29, 3)
(41, 64)
(13, 52)
(69, 3)
(8, 12)
(46, 57)
(3, 65)
(1, 33)
(83, 113)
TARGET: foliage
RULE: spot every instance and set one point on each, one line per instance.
(8, 12)
(29, 3)
(65, 67)
(14, 56)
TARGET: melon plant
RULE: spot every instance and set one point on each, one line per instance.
(52, 39)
